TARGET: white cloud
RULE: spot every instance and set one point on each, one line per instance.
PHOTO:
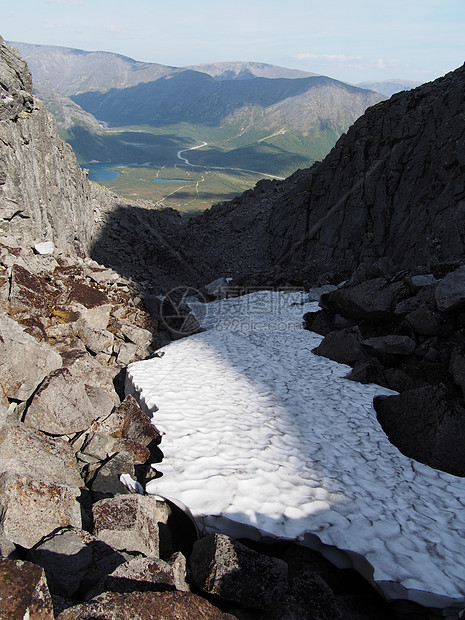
(354, 62)
(330, 57)
(69, 2)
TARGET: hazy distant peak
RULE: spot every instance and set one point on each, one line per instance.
(389, 87)
(68, 71)
(242, 70)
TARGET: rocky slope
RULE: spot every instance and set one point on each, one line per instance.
(77, 537)
(43, 193)
(392, 188)
(71, 449)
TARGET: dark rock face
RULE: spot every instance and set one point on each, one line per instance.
(407, 336)
(391, 188)
(426, 426)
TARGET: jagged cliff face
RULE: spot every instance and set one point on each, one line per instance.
(393, 186)
(44, 195)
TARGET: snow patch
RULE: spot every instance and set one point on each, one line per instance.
(263, 436)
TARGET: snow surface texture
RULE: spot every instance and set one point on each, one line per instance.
(264, 436)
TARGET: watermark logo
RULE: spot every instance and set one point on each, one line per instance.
(176, 311)
(185, 310)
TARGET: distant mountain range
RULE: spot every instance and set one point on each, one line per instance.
(389, 87)
(251, 114)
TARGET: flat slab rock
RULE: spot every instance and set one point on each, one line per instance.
(265, 438)
(31, 509)
(18, 377)
(146, 606)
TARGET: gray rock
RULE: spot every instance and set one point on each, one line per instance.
(61, 405)
(16, 84)
(141, 337)
(126, 353)
(84, 367)
(343, 346)
(27, 451)
(66, 558)
(97, 317)
(96, 340)
(222, 566)
(450, 292)
(147, 575)
(8, 549)
(422, 280)
(32, 509)
(104, 479)
(457, 368)
(131, 523)
(391, 345)
(373, 300)
(218, 288)
(18, 376)
(23, 590)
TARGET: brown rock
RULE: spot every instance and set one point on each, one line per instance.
(146, 606)
(23, 591)
(31, 292)
(129, 421)
(131, 522)
(31, 509)
(88, 296)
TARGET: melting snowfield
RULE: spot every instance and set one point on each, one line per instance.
(264, 437)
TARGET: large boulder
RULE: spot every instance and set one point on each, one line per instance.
(132, 523)
(222, 566)
(61, 406)
(392, 344)
(373, 300)
(129, 421)
(344, 346)
(31, 509)
(23, 591)
(450, 292)
(24, 363)
(66, 559)
(143, 574)
(27, 451)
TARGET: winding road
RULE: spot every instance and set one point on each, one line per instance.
(199, 146)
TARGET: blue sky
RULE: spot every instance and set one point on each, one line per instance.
(352, 40)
